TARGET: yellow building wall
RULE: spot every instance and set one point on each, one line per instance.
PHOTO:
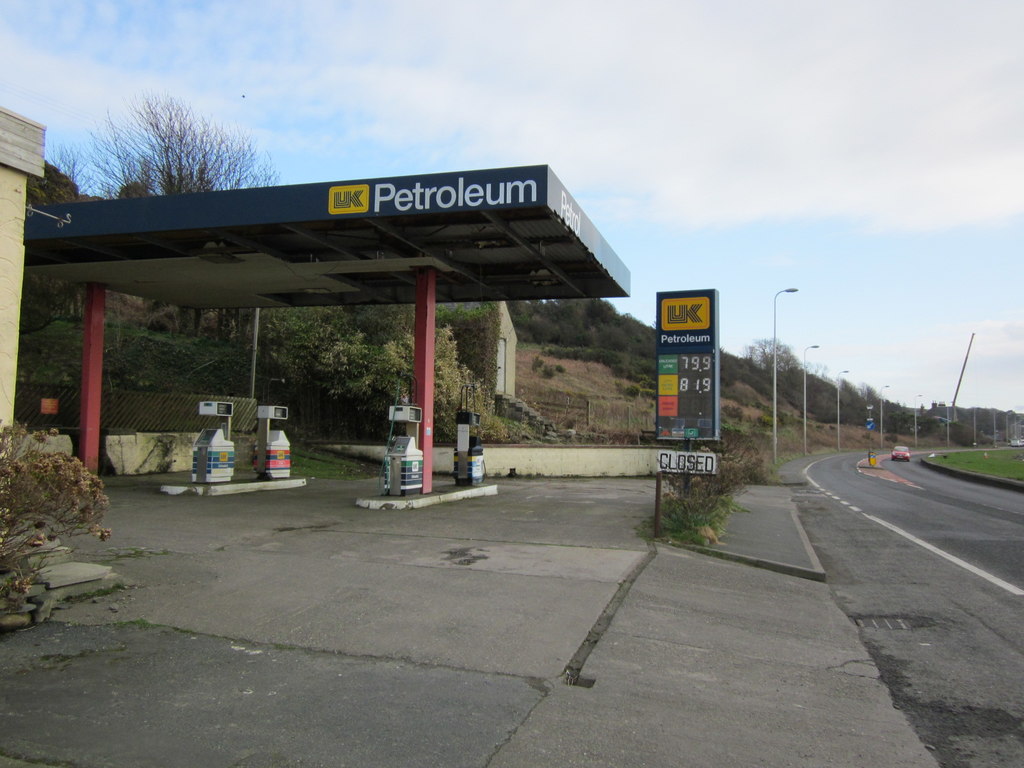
(12, 269)
(21, 154)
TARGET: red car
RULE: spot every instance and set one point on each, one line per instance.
(901, 453)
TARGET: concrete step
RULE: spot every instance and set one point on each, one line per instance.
(62, 581)
(67, 574)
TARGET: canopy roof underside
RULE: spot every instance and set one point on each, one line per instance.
(198, 251)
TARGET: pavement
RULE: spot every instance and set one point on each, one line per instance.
(533, 627)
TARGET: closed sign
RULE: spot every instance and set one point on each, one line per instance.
(688, 462)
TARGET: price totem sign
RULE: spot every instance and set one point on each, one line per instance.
(688, 366)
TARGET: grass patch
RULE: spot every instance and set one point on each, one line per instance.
(130, 553)
(141, 624)
(1007, 462)
(87, 596)
(310, 463)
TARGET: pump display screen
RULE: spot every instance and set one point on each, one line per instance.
(214, 408)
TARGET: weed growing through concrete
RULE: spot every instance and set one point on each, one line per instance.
(696, 508)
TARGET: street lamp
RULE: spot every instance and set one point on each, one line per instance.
(915, 418)
(813, 346)
(881, 417)
(775, 373)
(839, 388)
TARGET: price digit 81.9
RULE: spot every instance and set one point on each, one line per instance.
(700, 385)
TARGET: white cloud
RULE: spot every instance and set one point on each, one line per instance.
(904, 116)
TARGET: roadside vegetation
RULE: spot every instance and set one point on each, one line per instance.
(696, 510)
(1005, 462)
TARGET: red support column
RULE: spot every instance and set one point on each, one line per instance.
(92, 375)
(423, 368)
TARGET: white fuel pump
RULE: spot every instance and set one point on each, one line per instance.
(272, 457)
(213, 453)
(403, 461)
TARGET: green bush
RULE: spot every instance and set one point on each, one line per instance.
(697, 512)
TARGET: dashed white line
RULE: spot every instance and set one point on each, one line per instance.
(1011, 588)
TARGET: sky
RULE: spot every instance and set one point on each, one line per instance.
(869, 153)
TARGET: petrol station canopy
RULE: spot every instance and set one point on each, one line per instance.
(508, 233)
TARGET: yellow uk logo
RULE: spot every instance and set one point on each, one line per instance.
(354, 198)
(692, 313)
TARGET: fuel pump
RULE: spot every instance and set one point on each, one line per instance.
(469, 451)
(272, 458)
(213, 453)
(403, 461)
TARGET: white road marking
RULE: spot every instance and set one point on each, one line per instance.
(1013, 590)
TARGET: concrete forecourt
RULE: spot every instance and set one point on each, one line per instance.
(294, 628)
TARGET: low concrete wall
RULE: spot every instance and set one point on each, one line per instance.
(52, 444)
(151, 452)
(142, 453)
(547, 460)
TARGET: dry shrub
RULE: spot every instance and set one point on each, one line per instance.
(43, 496)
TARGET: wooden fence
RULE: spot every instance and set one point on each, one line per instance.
(42, 407)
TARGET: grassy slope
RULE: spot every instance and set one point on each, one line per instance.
(1007, 462)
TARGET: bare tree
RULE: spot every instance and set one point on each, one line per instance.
(760, 353)
(73, 165)
(163, 147)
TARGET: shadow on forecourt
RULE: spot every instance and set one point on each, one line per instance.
(294, 628)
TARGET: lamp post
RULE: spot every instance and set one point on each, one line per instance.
(839, 388)
(881, 417)
(813, 346)
(916, 407)
(775, 373)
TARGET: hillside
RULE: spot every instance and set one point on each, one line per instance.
(585, 396)
(562, 333)
(601, 406)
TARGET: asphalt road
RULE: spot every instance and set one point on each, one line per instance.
(930, 567)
